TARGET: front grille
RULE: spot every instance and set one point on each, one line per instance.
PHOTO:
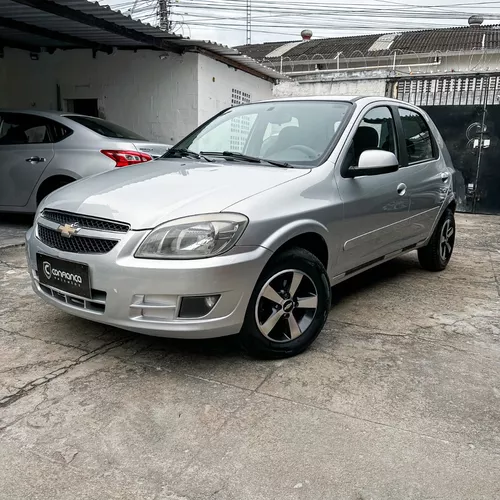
(85, 221)
(75, 244)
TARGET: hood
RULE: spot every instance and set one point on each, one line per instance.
(149, 194)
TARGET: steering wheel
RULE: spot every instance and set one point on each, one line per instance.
(304, 149)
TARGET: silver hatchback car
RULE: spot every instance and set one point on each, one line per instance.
(245, 225)
(41, 151)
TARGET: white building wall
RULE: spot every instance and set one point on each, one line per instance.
(216, 82)
(373, 81)
(162, 99)
(157, 98)
(359, 86)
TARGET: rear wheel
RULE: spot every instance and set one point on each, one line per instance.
(437, 253)
(51, 185)
(288, 307)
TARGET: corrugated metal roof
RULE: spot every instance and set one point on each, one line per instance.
(35, 16)
(384, 42)
(281, 51)
(465, 38)
(231, 53)
(20, 37)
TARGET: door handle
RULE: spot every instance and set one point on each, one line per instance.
(445, 176)
(402, 189)
(35, 159)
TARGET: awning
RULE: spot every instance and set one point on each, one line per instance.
(44, 25)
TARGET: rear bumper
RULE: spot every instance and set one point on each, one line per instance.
(144, 296)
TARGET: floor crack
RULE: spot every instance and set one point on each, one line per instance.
(494, 273)
(374, 422)
(41, 381)
(11, 266)
(49, 342)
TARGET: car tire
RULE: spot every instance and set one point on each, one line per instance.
(282, 321)
(51, 186)
(437, 253)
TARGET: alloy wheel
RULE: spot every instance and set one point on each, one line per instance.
(446, 240)
(286, 305)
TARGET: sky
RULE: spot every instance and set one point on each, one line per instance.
(224, 21)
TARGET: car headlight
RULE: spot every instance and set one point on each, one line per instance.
(193, 237)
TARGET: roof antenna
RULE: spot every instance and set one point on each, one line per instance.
(306, 35)
(476, 20)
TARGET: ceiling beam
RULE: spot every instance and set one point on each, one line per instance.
(53, 35)
(90, 20)
(13, 44)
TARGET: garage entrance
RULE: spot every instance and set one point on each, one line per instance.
(83, 107)
(466, 110)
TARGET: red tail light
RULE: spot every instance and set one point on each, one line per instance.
(126, 158)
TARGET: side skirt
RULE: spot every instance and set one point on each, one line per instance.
(373, 263)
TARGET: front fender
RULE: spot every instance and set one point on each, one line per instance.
(293, 229)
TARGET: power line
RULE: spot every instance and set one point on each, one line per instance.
(249, 22)
(276, 18)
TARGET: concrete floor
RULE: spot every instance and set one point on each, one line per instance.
(399, 398)
(13, 228)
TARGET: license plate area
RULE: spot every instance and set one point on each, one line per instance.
(64, 275)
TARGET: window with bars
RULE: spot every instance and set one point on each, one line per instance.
(240, 127)
(445, 85)
(439, 90)
(239, 97)
(493, 83)
(469, 84)
(407, 87)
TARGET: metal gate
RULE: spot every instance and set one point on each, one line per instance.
(466, 109)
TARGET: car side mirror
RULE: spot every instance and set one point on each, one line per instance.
(374, 162)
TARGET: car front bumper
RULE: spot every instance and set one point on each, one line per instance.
(144, 295)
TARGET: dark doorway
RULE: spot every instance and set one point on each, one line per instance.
(83, 107)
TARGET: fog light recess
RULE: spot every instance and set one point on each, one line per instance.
(197, 307)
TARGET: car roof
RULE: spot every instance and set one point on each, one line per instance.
(45, 114)
(342, 98)
(316, 98)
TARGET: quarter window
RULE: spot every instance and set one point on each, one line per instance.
(59, 131)
(417, 136)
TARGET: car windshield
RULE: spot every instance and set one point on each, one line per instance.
(105, 128)
(296, 133)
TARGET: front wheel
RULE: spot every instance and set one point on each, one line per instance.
(437, 253)
(289, 306)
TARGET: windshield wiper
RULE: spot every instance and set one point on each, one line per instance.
(184, 152)
(241, 156)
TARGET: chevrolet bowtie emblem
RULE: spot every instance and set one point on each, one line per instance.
(68, 230)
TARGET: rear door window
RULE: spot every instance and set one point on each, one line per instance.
(22, 128)
(105, 128)
(417, 136)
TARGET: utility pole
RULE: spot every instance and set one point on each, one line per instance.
(249, 22)
(165, 15)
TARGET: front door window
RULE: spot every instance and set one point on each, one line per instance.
(376, 131)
